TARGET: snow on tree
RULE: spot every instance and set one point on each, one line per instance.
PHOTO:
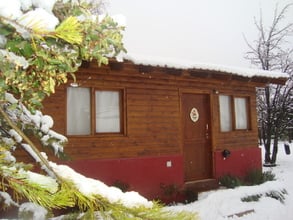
(271, 51)
(42, 43)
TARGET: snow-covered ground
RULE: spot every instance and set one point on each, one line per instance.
(225, 203)
(213, 205)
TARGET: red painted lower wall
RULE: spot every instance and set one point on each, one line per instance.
(238, 162)
(144, 174)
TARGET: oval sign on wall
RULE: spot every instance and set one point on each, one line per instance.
(194, 115)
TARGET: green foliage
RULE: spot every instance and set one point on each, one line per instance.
(268, 176)
(32, 67)
(278, 195)
(230, 181)
(169, 189)
(251, 198)
(252, 177)
(275, 194)
(256, 177)
(70, 30)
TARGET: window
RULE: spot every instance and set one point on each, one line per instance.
(225, 113)
(240, 108)
(107, 111)
(233, 113)
(91, 111)
(78, 111)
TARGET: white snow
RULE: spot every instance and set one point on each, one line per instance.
(10, 98)
(120, 19)
(187, 64)
(37, 19)
(44, 181)
(38, 212)
(89, 186)
(10, 9)
(25, 4)
(15, 135)
(31, 152)
(19, 61)
(219, 204)
(8, 157)
(47, 5)
(46, 123)
(6, 199)
(42, 18)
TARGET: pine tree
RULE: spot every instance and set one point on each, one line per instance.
(41, 46)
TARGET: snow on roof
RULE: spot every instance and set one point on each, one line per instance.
(186, 64)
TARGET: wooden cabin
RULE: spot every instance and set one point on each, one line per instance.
(155, 128)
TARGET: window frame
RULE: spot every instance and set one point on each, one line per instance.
(92, 108)
(121, 111)
(247, 107)
(233, 113)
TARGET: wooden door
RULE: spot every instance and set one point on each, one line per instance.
(196, 136)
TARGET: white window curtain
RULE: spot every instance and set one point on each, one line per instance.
(107, 111)
(225, 113)
(240, 105)
(78, 111)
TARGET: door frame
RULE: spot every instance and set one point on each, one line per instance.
(211, 130)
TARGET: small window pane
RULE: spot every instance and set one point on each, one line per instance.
(78, 111)
(225, 113)
(107, 111)
(240, 105)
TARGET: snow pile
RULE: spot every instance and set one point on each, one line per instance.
(20, 13)
(6, 199)
(225, 203)
(185, 64)
(46, 182)
(43, 123)
(33, 211)
(45, 21)
(89, 186)
(12, 58)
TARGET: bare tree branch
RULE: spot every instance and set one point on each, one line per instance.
(269, 52)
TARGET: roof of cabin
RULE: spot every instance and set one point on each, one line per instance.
(210, 70)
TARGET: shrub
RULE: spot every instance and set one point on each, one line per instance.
(252, 177)
(256, 177)
(278, 195)
(230, 181)
(169, 189)
(274, 194)
(251, 198)
(268, 176)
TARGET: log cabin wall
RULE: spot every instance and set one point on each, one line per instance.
(152, 116)
(150, 153)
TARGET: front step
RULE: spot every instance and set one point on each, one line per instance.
(192, 188)
(201, 185)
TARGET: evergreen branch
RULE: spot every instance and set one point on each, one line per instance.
(24, 188)
(70, 31)
(28, 141)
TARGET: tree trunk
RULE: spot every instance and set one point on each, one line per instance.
(268, 152)
(268, 128)
(275, 150)
(260, 136)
